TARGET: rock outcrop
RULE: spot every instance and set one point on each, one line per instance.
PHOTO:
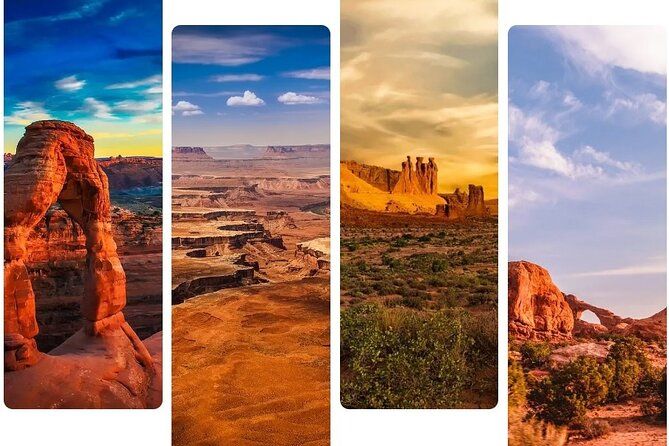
(54, 163)
(379, 177)
(190, 154)
(460, 204)
(537, 308)
(423, 180)
(301, 150)
(135, 171)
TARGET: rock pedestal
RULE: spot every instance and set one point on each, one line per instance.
(54, 163)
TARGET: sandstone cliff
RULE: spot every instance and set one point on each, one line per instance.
(190, 154)
(135, 171)
(412, 190)
(321, 150)
(537, 308)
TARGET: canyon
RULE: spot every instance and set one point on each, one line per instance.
(59, 226)
(250, 294)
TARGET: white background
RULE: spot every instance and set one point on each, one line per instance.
(349, 427)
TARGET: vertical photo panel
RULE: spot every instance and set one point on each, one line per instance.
(419, 237)
(83, 205)
(587, 235)
(251, 235)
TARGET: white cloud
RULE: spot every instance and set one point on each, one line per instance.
(156, 79)
(237, 78)
(604, 158)
(645, 105)
(540, 89)
(214, 94)
(98, 108)
(156, 89)
(70, 83)
(137, 107)
(186, 108)
(230, 50)
(249, 99)
(321, 73)
(537, 147)
(292, 98)
(27, 112)
(594, 48)
(658, 267)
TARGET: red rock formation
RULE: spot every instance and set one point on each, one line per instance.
(54, 162)
(421, 181)
(461, 204)
(537, 308)
(379, 177)
(476, 202)
(134, 171)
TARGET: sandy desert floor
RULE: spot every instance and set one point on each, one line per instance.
(250, 338)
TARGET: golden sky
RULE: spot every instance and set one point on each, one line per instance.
(111, 138)
(419, 78)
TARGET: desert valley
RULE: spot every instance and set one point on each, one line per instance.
(418, 290)
(250, 289)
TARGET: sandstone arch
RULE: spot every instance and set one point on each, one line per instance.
(55, 162)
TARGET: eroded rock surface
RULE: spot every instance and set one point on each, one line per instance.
(54, 163)
(537, 308)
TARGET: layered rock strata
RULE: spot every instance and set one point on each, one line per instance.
(54, 163)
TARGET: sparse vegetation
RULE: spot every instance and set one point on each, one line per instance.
(419, 316)
(535, 354)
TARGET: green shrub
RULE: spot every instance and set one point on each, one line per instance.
(535, 354)
(630, 368)
(402, 359)
(565, 396)
(517, 387)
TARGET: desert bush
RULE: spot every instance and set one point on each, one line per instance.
(402, 359)
(590, 429)
(532, 432)
(535, 354)
(565, 396)
(656, 404)
(632, 371)
(517, 387)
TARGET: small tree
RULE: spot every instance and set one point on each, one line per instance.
(565, 396)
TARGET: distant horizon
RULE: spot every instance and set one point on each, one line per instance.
(266, 85)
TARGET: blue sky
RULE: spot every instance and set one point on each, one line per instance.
(97, 63)
(587, 161)
(250, 85)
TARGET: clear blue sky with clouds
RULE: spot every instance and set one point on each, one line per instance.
(259, 85)
(587, 161)
(97, 63)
